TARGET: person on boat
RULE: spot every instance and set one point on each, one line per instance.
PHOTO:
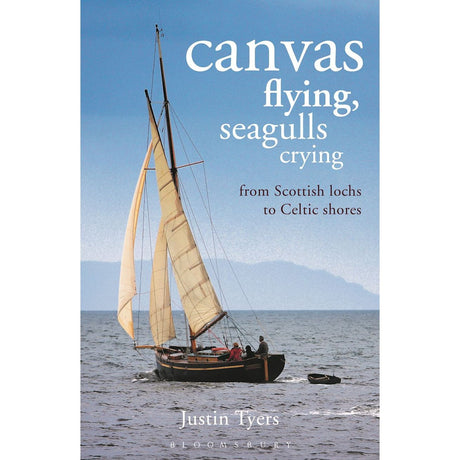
(263, 347)
(235, 353)
(249, 353)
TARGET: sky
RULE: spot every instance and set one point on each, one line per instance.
(117, 54)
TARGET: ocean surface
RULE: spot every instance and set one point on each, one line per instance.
(126, 412)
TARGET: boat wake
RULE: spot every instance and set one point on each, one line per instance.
(290, 379)
(149, 376)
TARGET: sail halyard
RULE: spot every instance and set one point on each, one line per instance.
(127, 287)
(198, 297)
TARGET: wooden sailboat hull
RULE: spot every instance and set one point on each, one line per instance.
(248, 370)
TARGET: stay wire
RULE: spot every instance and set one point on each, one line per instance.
(208, 201)
(215, 266)
(140, 274)
(208, 211)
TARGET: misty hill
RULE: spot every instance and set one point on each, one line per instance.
(267, 285)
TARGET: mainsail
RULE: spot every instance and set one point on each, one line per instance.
(127, 287)
(198, 297)
(199, 300)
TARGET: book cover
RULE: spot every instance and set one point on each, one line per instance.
(253, 167)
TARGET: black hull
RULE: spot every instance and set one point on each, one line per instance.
(323, 379)
(248, 370)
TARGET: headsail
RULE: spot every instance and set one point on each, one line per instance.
(127, 287)
(161, 321)
(199, 300)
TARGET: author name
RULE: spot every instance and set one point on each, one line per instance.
(239, 417)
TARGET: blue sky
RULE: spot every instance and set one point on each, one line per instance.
(117, 49)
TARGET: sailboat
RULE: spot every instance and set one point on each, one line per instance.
(176, 243)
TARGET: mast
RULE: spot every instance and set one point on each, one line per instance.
(168, 119)
(172, 155)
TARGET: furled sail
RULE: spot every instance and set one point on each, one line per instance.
(197, 294)
(161, 320)
(127, 287)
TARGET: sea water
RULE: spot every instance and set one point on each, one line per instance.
(126, 412)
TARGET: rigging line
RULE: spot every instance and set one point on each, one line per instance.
(166, 325)
(146, 205)
(224, 330)
(186, 132)
(208, 211)
(211, 332)
(158, 122)
(142, 258)
(151, 82)
(142, 357)
(148, 217)
(237, 324)
(188, 159)
(208, 206)
(169, 274)
(187, 339)
(241, 329)
(239, 284)
(188, 205)
(154, 63)
(212, 227)
(165, 313)
(214, 266)
(190, 211)
(239, 333)
(210, 217)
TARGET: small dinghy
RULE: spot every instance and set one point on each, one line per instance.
(323, 378)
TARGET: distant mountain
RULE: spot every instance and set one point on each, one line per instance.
(267, 285)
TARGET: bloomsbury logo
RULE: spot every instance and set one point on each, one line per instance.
(231, 445)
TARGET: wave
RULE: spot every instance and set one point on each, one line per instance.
(357, 410)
